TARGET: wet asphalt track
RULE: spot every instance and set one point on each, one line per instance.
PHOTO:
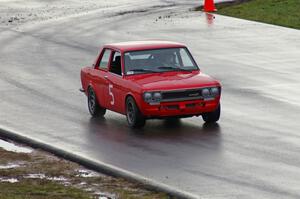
(253, 152)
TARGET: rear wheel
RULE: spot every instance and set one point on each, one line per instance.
(94, 108)
(213, 116)
(134, 117)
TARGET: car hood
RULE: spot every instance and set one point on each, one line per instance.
(173, 80)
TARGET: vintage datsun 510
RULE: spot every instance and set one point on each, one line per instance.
(150, 79)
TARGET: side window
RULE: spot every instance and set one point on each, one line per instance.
(115, 66)
(105, 59)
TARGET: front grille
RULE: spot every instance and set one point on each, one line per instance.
(181, 95)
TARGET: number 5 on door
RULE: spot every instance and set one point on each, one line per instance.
(110, 87)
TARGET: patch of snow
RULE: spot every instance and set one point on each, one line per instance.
(60, 179)
(67, 183)
(102, 195)
(43, 176)
(13, 148)
(87, 173)
(36, 176)
(9, 166)
(88, 189)
(10, 180)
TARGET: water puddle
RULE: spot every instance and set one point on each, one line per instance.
(10, 180)
(13, 148)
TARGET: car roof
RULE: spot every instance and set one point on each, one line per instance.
(143, 45)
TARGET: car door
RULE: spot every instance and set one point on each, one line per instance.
(100, 81)
(115, 83)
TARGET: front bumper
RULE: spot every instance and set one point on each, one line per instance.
(180, 108)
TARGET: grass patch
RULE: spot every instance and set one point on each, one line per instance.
(40, 189)
(278, 12)
(69, 183)
(8, 156)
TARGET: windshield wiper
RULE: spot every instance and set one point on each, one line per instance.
(174, 68)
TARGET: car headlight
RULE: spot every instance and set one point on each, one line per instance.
(214, 91)
(205, 92)
(152, 97)
(157, 97)
(147, 97)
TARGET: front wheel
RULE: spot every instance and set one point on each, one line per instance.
(213, 116)
(134, 117)
(94, 108)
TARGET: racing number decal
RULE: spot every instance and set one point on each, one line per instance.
(110, 87)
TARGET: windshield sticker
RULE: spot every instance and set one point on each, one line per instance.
(130, 73)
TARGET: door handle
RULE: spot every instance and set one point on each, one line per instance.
(106, 77)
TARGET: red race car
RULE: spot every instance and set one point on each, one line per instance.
(150, 79)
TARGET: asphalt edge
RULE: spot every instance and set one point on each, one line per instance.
(97, 165)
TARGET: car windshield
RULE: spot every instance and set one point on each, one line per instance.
(159, 60)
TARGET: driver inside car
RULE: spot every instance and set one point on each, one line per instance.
(167, 60)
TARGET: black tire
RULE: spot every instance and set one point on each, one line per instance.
(94, 108)
(212, 117)
(134, 117)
